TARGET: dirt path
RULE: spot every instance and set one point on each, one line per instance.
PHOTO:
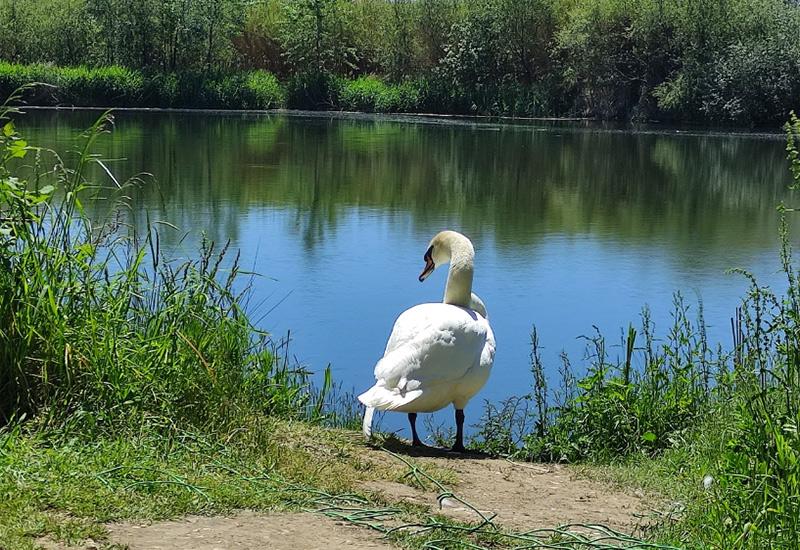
(247, 530)
(522, 496)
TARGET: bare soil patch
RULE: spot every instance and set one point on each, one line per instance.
(523, 496)
(246, 530)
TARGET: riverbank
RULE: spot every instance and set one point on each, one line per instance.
(258, 90)
(116, 86)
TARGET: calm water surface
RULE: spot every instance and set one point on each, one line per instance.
(572, 227)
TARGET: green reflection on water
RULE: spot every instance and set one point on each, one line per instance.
(516, 183)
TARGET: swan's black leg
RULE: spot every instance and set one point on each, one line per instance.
(459, 445)
(412, 418)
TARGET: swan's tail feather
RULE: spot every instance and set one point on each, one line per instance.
(385, 400)
(367, 425)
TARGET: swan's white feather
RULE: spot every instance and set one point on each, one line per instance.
(437, 354)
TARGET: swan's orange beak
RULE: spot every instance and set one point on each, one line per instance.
(429, 266)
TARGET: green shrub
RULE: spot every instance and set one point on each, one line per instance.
(265, 91)
(370, 94)
(13, 76)
(121, 87)
(639, 405)
(104, 86)
(162, 90)
(755, 82)
(80, 86)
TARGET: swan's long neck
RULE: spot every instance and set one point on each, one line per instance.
(459, 279)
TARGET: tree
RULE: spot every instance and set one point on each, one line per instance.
(315, 37)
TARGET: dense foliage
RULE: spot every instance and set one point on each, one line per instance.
(724, 61)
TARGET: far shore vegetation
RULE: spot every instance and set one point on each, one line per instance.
(727, 62)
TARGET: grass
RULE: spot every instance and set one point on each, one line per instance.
(372, 95)
(66, 487)
(114, 86)
(109, 86)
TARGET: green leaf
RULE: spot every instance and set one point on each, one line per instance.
(649, 437)
(8, 129)
(85, 250)
(17, 149)
(46, 190)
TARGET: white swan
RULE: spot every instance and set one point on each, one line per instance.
(438, 353)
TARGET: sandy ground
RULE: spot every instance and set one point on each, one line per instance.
(247, 530)
(523, 496)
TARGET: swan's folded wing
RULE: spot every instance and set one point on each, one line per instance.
(432, 343)
(408, 326)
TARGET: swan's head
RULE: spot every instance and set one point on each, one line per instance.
(443, 248)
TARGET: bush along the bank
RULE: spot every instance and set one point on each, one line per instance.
(255, 90)
(730, 418)
(247, 90)
(99, 328)
(121, 87)
(636, 404)
(82, 86)
(371, 94)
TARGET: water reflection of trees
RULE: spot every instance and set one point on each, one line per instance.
(520, 181)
